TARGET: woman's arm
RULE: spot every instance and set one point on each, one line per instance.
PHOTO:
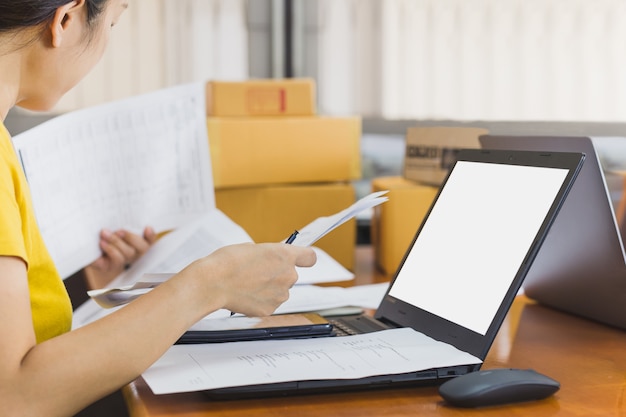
(64, 374)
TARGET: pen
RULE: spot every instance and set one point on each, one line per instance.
(291, 238)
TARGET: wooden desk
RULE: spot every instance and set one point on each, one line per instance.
(588, 359)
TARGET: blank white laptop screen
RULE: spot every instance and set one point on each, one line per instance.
(475, 240)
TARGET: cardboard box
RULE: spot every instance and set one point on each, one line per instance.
(430, 151)
(272, 213)
(265, 151)
(396, 221)
(261, 97)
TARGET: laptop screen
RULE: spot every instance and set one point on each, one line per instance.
(474, 248)
(475, 240)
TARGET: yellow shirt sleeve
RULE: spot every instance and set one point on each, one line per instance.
(20, 237)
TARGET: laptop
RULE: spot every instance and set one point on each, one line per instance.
(465, 265)
(581, 268)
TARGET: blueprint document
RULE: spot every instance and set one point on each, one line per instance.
(127, 164)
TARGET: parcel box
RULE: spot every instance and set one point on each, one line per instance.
(395, 222)
(267, 150)
(431, 151)
(261, 97)
(272, 213)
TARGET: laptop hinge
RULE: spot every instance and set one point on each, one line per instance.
(453, 371)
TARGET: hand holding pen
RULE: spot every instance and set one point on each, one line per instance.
(289, 241)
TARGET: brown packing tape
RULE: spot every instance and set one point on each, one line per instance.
(261, 97)
(430, 151)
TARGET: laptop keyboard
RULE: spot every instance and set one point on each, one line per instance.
(351, 325)
(340, 328)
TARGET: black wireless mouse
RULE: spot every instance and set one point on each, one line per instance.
(496, 387)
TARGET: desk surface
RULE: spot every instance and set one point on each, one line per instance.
(589, 360)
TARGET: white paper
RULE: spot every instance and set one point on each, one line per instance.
(90, 311)
(185, 368)
(197, 239)
(214, 229)
(303, 298)
(326, 269)
(321, 226)
(192, 241)
(132, 163)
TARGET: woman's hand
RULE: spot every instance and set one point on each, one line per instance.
(252, 279)
(119, 249)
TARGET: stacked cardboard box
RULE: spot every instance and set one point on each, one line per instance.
(277, 165)
(429, 154)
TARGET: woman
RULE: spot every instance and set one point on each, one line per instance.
(46, 47)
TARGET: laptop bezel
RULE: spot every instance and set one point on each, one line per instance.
(401, 314)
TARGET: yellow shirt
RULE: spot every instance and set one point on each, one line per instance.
(20, 237)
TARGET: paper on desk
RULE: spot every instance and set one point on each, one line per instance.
(303, 298)
(321, 226)
(117, 296)
(125, 164)
(308, 298)
(326, 269)
(185, 368)
(207, 233)
(213, 230)
(90, 311)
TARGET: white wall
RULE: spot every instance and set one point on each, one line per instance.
(558, 60)
(555, 60)
(159, 43)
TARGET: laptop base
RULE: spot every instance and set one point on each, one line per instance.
(288, 389)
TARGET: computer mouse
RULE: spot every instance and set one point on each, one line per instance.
(496, 387)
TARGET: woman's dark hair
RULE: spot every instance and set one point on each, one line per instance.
(16, 14)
